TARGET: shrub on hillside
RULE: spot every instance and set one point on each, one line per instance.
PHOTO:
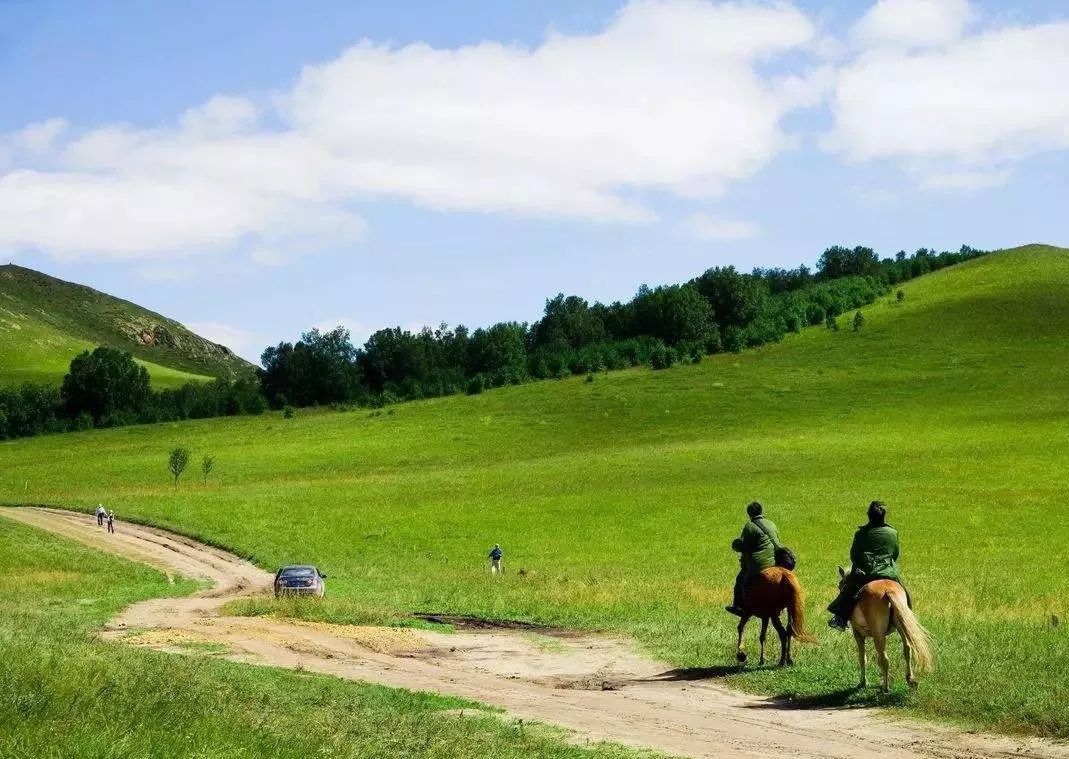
(662, 357)
(177, 463)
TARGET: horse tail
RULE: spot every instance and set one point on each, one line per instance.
(919, 640)
(795, 609)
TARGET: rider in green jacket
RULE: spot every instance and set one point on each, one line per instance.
(757, 546)
(874, 555)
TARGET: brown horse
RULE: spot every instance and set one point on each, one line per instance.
(767, 594)
(881, 609)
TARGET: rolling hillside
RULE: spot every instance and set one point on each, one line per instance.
(619, 497)
(45, 322)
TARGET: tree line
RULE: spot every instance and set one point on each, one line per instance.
(107, 388)
(720, 310)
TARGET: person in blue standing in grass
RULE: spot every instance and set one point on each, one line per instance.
(495, 559)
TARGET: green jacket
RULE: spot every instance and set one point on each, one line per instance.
(757, 549)
(874, 552)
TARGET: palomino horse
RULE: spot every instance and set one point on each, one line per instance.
(881, 609)
(767, 594)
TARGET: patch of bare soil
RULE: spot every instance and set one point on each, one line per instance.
(599, 688)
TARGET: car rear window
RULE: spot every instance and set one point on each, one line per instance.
(298, 572)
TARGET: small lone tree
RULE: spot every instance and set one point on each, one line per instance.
(177, 465)
(859, 321)
(900, 296)
(206, 467)
(831, 323)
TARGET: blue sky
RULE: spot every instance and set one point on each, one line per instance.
(252, 168)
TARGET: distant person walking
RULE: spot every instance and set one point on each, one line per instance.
(101, 513)
(495, 559)
(111, 521)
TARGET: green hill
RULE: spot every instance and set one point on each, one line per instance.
(45, 322)
(619, 497)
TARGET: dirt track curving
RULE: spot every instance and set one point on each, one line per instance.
(599, 688)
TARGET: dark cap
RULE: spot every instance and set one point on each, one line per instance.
(877, 512)
(754, 509)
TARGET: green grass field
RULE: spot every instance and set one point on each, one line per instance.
(620, 497)
(64, 693)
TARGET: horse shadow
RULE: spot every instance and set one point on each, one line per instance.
(844, 698)
(686, 674)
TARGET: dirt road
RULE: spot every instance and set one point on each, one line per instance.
(599, 688)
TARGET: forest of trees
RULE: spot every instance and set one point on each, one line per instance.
(107, 388)
(721, 310)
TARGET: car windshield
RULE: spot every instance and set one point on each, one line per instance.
(298, 572)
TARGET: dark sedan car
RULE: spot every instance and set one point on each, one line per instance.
(299, 580)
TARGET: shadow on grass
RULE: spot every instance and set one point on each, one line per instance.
(704, 673)
(844, 698)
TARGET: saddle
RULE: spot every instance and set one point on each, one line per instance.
(857, 595)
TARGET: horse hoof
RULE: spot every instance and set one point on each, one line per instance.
(912, 684)
(862, 685)
(740, 657)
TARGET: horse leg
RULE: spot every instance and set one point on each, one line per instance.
(862, 660)
(784, 641)
(879, 639)
(911, 679)
(740, 655)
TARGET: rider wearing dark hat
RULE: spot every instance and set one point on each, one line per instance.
(757, 548)
(874, 555)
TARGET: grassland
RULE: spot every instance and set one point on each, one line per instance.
(619, 497)
(36, 352)
(45, 322)
(64, 693)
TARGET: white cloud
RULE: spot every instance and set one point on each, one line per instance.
(222, 116)
(967, 110)
(248, 345)
(701, 226)
(912, 23)
(668, 99)
(38, 137)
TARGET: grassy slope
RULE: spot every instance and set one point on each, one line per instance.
(112, 701)
(36, 352)
(45, 322)
(620, 497)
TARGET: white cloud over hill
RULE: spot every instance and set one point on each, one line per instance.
(672, 99)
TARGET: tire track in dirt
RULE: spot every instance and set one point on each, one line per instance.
(599, 688)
